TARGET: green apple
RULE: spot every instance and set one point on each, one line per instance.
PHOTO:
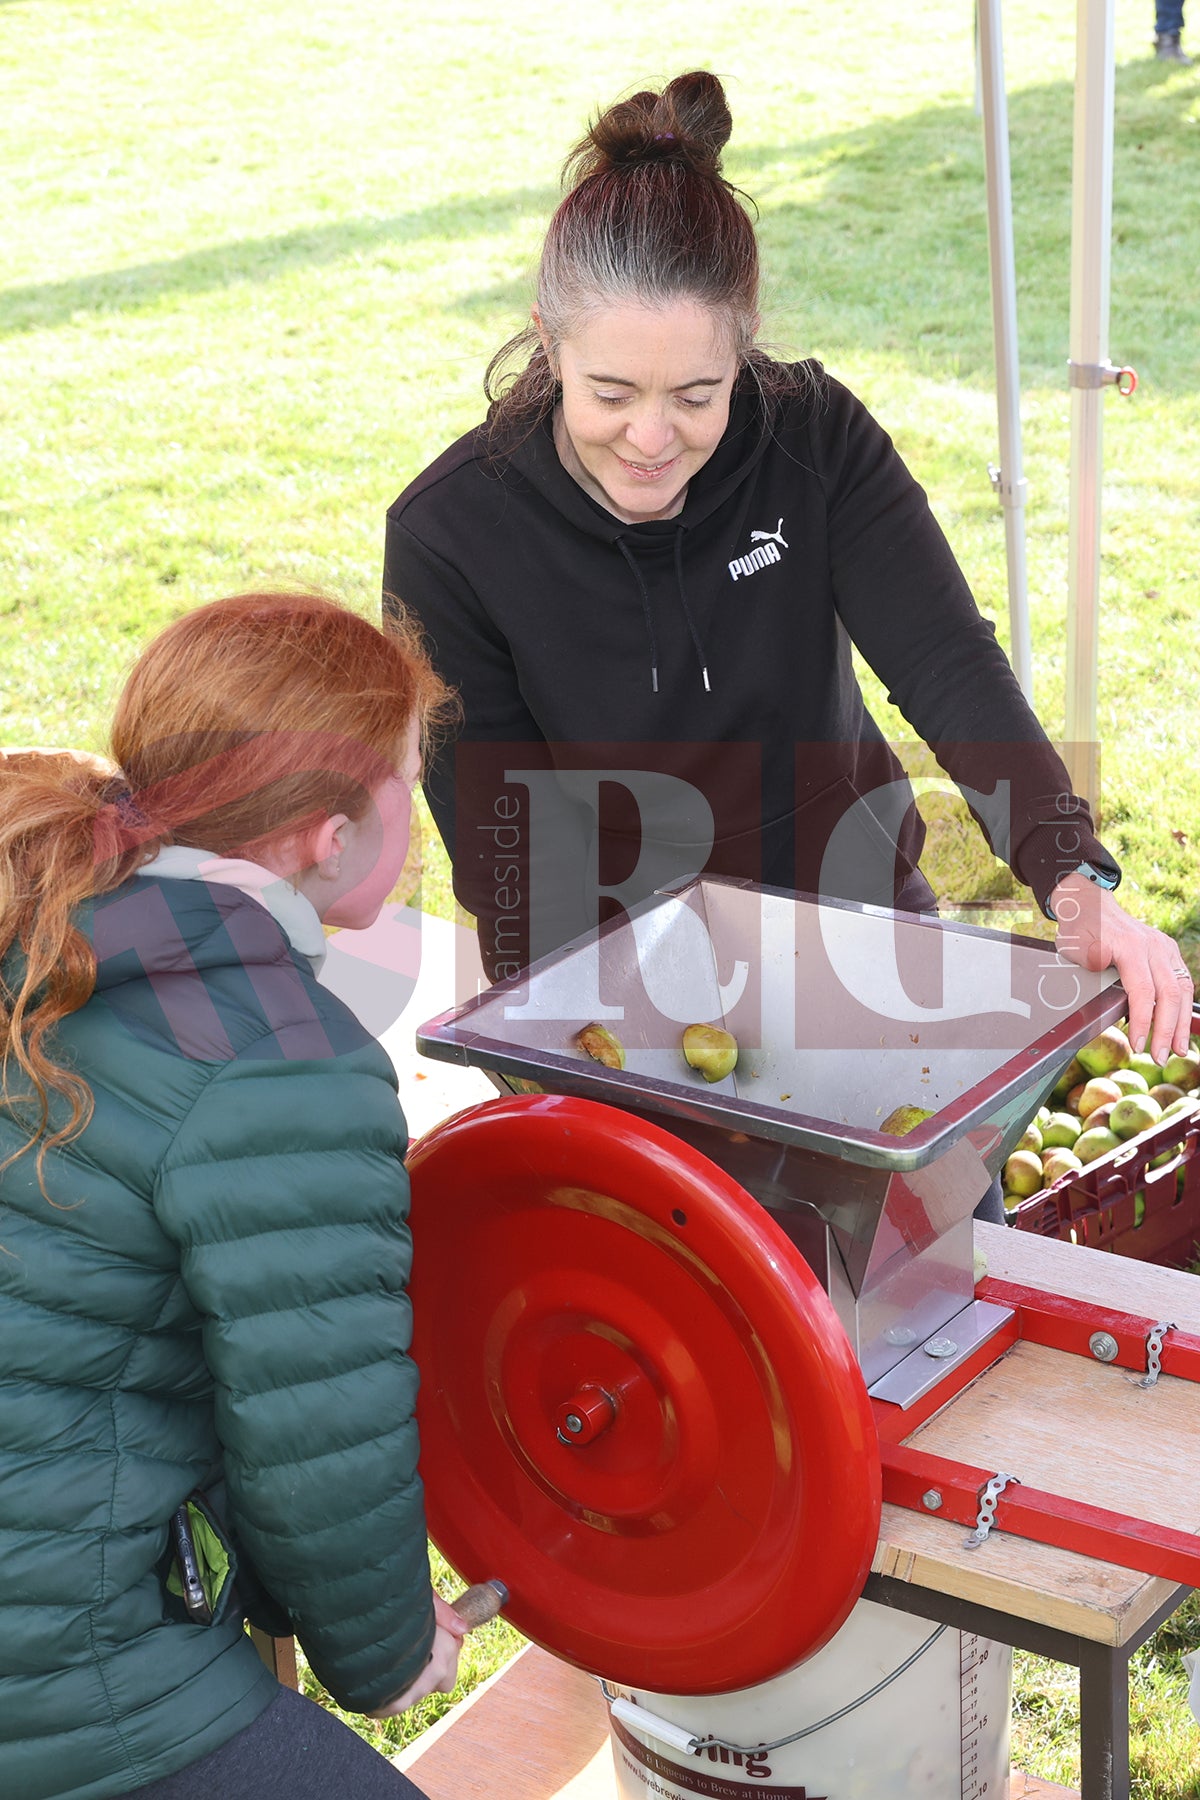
(1023, 1173)
(1166, 1093)
(1031, 1138)
(1091, 1144)
(1130, 1081)
(1062, 1128)
(712, 1052)
(1072, 1075)
(602, 1046)
(905, 1119)
(1145, 1065)
(1111, 1050)
(1136, 1112)
(1183, 1071)
(1057, 1163)
(1094, 1093)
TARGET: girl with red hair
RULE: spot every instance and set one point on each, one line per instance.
(206, 1401)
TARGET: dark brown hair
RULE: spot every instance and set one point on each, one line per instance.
(648, 219)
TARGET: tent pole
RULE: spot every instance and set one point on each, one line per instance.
(1090, 371)
(1009, 479)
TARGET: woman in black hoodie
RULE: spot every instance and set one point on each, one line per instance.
(644, 574)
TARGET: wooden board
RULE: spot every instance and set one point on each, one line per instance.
(1117, 1281)
(1072, 1426)
(537, 1730)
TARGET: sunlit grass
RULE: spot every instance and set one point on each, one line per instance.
(1164, 1738)
(255, 261)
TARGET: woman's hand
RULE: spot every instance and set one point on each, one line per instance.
(440, 1674)
(1096, 932)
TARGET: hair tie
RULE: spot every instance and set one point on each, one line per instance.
(665, 137)
(119, 795)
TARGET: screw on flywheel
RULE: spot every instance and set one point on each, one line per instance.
(583, 1417)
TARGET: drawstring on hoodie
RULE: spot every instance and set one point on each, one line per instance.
(627, 553)
(687, 611)
(636, 572)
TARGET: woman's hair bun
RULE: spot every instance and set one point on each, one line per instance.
(688, 122)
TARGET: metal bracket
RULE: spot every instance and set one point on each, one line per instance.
(987, 1509)
(1154, 1344)
(1095, 375)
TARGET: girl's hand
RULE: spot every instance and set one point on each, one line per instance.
(440, 1674)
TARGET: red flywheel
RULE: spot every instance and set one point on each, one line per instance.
(638, 1406)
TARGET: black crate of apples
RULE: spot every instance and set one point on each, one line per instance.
(1111, 1160)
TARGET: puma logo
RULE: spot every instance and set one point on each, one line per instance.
(767, 547)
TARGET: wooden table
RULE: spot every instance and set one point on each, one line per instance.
(1078, 1428)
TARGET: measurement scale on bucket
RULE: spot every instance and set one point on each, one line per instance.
(974, 1653)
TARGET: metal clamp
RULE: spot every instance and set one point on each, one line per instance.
(1154, 1344)
(987, 1509)
(1095, 375)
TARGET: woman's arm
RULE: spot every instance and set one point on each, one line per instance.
(286, 1193)
(908, 608)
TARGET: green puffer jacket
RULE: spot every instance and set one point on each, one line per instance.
(214, 1292)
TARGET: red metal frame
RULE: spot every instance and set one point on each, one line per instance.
(1059, 1323)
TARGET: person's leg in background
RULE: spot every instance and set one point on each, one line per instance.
(1168, 28)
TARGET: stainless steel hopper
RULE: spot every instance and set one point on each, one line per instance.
(841, 1013)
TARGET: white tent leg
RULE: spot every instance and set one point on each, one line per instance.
(1091, 220)
(1009, 479)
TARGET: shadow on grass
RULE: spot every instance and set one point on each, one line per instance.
(886, 249)
(44, 305)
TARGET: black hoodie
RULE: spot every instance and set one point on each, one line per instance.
(713, 648)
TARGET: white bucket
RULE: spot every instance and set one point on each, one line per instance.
(893, 1708)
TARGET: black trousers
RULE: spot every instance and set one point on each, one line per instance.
(295, 1750)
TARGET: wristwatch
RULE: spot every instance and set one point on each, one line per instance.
(1090, 872)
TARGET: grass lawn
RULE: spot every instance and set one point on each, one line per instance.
(255, 260)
